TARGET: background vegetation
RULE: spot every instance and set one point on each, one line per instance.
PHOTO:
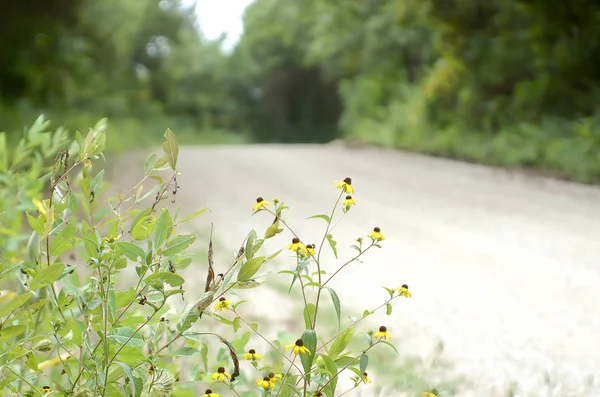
(507, 82)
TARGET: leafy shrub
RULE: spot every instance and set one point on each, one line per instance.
(91, 329)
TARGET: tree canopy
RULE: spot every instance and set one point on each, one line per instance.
(510, 82)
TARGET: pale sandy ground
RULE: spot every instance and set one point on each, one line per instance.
(504, 268)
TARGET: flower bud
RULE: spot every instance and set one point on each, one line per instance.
(45, 345)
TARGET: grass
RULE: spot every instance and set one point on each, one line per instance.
(556, 147)
(133, 132)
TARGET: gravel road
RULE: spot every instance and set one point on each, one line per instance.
(504, 268)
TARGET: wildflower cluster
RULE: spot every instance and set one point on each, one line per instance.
(95, 330)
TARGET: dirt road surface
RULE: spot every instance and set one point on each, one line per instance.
(504, 268)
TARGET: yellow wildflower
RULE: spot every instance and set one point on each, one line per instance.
(365, 378)
(252, 355)
(349, 201)
(376, 234)
(310, 249)
(209, 393)
(221, 375)
(46, 390)
(403, 291)
(382, 333)
(275, 377)
(298, 347)
(111, 239)
(432, 393)
(297, 246)
(223, 304)
(345, 185)
(266, 383)
(260, 203)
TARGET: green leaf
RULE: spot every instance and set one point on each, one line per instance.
(388, 309)
(272, 256)
(332, 243)
(204, 356)
(390, 345)
(257, 245)
(250, 245)
(38, 223)
(336, 304)
(60, 245)
(112, 305)
(326, 218)
(185, 352)
(195, 214)
(239, 344)
(390, 291)
(32, 363)
(249, 268)
(331, 367)
(164, 228)
(157, 279)
(363, 363)
(131, 251)
(340, 343)
(15, 303)
(122, 336)
(47, 276)
(143, 228)
(97, 181)
(130, 355)
(178, 244)
(11, 331)
(149, 164)
(236, 324)
(309, 338)
(273, 230)
(309, 315)
(129, 373)
(191, 314)
(171, 148)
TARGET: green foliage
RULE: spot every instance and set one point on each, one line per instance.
(510, 83)
(90, 310)
(507, 82)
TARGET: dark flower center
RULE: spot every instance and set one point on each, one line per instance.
(348, 181)
(259, 199)
(299, 343)
(252, 351)
(319, 394)
(295, 240)
(267, 378)
(404, 286)
(221, 299)
(221, 370)
(348, 197)
(271, 375)
(365, 374)
(377, 230)
(312, 246)
(208, 391)
(382, 329)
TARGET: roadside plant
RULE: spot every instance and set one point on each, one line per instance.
(94, 303)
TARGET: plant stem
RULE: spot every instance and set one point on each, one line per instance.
(25, 380)
(318, 260)
(346, 264)
(270, 344)
(355, 322)
(347, 365)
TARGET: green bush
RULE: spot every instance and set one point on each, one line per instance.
(74, 322)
